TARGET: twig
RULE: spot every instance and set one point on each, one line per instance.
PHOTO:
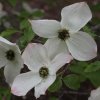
(77, 93)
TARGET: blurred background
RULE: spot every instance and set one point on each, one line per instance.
(14, 15)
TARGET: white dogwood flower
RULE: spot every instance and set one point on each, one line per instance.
(95, 94)
(10, 58)
(43, 70)
(65, 35)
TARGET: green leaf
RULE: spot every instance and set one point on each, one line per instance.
(38, 13)
(27, 35)
(94, 77)
(78, 67)
(96, 20)
(8, 32)
(26, 38)
(24, 14)
(5, 92)
(88, 30)
(72, 81)
(24, 24)
(0, 97)
(95, 7)
(93, 74)
(56, 85)
(93, 67)
(53, 98)
(12, 2)
(82, 78)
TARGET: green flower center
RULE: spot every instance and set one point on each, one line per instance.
(63, 34)
(43, 72)
(10, 55)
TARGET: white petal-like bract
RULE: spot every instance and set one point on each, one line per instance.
(24, 82)
(35, 56)
(10, 72)
(41, 88)
(95, 94)
(75, 16)
(55, 46)
(45, 28)
(60, 60)
(82, 46)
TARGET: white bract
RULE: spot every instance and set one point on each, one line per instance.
(10, 58)
(43, 70)
(95, 94)
(65, 35)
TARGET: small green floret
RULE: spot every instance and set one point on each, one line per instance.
(43, 72)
